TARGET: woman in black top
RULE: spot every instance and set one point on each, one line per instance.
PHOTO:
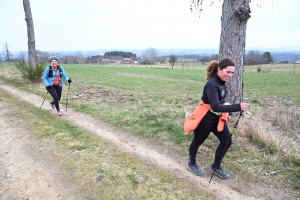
(214, 94)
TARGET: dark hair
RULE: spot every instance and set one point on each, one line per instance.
(53, 58)
(213, 66)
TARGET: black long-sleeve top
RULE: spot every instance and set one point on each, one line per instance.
(214, 93)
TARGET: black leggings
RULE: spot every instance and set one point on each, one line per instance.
(200, 135)
(55, 92)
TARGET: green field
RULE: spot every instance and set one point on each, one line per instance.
(151, 102)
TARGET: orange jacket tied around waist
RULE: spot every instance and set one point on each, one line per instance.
(192, 122)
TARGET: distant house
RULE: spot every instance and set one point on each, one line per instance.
(105, 61)
(297, 62)
(126, 60)
(135, 62)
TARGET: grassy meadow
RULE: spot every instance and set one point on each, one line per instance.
(151, 102)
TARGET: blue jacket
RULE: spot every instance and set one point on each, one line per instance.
(49, 81)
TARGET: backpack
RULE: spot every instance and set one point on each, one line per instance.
(50, 74)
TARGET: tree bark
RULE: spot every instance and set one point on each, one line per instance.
(235, 15)
(30, 33)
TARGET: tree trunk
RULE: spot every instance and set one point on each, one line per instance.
(235, 14)
(30, 33)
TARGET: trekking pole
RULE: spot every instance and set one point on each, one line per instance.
(68, 96)
(44, 100)
(232, 132)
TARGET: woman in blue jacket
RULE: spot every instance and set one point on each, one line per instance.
(52, 78)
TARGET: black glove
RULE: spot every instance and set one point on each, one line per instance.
(49, 88)
(70, 81)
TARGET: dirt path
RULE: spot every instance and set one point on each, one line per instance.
(19, 154)
(26, 170)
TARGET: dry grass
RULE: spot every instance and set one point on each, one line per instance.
(275, 129)
(256, 131)
(274, 68)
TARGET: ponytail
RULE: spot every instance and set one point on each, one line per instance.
(211, 69)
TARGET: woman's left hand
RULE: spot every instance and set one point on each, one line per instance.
(244, 106)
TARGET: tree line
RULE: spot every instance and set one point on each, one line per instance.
(147, 57)
(123, 54)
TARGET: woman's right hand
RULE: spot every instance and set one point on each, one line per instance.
(244, 106)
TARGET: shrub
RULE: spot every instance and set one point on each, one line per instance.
(33, 75)
(259, 68)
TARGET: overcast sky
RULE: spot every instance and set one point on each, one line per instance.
(139, 24)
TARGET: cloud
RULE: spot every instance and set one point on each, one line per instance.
(92, 24)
